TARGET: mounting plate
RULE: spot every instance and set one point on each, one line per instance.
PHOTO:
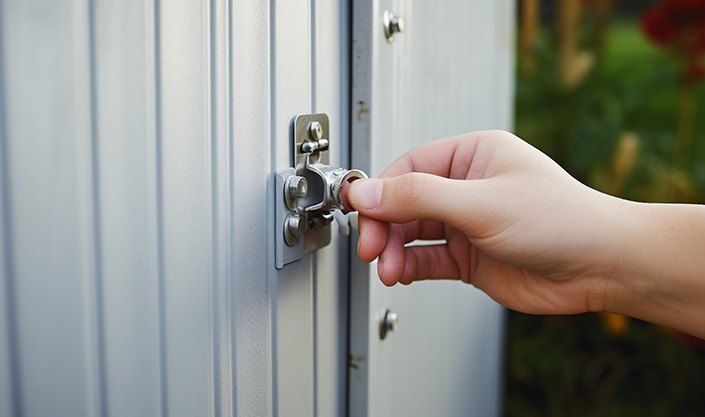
(319, 237)
(310, 192)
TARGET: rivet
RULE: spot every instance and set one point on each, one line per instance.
(388, 323)
(392, 24)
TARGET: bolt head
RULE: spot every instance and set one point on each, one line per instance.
(297, 186)
(316, 130)
(392, 24)
(296, 225)
(388, 323)
(396, 25)
(392, 321)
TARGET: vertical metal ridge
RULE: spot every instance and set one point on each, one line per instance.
(313, 56)
(214, 232)
(97, 248)
(160, 214)
(271, 291)
(314, 311)
(231, 207)
(97, 242)
(272, 85)
(314, 257)
(347, 253)
(9, 272)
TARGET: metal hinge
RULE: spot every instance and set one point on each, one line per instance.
(308, 193)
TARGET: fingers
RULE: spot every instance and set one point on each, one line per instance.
(373, 238)
(459, 157)
(416, 263)
(509, 285)
(431, 158)
(434, 187)
(391, 262)
(424, 230)
(374, 234)
(416, 196)
(429, 262)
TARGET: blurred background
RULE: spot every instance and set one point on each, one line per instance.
(613, 91)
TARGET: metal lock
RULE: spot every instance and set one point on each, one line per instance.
(308, 193)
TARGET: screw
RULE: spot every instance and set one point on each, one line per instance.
(296, 225)
(316, 130)
(392, 24)
(397, 24)
(294, 228)
(389, 323)
(297, 187)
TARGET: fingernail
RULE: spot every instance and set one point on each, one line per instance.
(368, 193)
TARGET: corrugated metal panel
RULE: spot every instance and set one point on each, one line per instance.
(331, 95)
(450, 72)
(249, 42)
(49, 197)
(292, 304)
(127, 162)
(138, 142)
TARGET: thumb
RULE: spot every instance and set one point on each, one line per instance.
(412, 196)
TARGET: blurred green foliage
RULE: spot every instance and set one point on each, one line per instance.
(576, 366)
(570, 366)
(635, 87)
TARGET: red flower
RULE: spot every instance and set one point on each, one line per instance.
(658, 27)
(679, 26)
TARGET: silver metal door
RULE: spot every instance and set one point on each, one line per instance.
(138, 142)
(449, 72)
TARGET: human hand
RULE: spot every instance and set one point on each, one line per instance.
(516, 225)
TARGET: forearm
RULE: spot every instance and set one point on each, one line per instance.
(659, 273)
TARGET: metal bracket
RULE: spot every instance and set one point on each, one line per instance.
(308, 193)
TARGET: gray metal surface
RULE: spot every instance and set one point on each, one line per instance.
(138, 142)
(448, 73)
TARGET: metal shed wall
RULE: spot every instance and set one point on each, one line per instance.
(137, 143)
(138, 139)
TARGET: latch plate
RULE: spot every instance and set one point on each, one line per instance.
(303, 135)
(314, 192)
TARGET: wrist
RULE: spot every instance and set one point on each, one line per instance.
(657, 273)
(625, 270)
(610, 229)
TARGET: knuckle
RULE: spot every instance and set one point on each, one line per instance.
(501, 136)
(411, 187)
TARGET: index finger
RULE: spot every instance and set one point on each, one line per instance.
(447, 158)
